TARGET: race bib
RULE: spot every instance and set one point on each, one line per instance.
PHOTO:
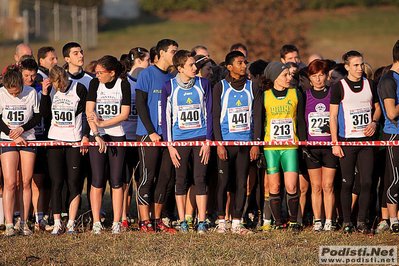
(282, 129)
(107, 108)
(189, 116)
(360, 118)
(238, 119)
(63, 116)
(133, 113)
(15, 115)
(316, 120)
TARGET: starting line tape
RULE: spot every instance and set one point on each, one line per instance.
(202, 143)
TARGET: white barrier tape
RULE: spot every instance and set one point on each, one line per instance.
(202, 143)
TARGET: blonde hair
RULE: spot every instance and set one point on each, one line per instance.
(57, 76)
(368, 70)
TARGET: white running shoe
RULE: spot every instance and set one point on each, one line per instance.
(57, 230)
(240, 229)
(116, 228)
(221, 228)
(97, 227)
(328, 227)
(317, 227)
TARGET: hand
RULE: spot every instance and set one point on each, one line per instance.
(370, 129)
(45, 86)
(154, 137)
(337, 151)
(102, 147)
(15, 133)
(83, 149)
(21, 141)
(205, 152)
(175, 156)
(254, 153)
(222, 153)
(92, 117)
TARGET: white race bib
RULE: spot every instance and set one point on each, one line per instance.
(360, 118)
(107, 108)
(238, 119)
(15, 115)
(189, 116)
(63, 116)
(316, 120)
(282, 129)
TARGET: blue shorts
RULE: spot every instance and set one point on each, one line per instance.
(18, 149)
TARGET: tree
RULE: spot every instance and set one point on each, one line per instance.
(264, 26)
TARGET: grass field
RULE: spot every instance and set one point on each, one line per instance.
(373, 31)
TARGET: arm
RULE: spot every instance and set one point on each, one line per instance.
(45, 101)
(391, 108)
(257, 120)
(372, 127)
(206, 150)
(216, 109)
(167, 111)
(301, 116)
(337, 150)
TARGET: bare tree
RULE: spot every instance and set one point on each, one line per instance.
(264, 26)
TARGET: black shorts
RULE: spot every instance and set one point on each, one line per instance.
(325, 157)
(41, 161)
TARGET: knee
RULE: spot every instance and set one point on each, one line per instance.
(27, 184)
(291, 188)
(328, 188)
(274, 188)
(10, 186)
(316, 188)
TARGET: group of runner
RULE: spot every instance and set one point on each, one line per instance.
(167, 94)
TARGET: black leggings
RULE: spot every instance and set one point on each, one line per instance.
(363, 157)
(64, 165)
(199, 171)
(116, 157)
(155, 167)
(391, 173)
(235, 168)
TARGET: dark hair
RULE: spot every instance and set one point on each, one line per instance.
(136, 53)
(257, 67)
(194, 49)
(302, 76)
(164, 44)
(217, 76)
(316, 66)
(340, 68)
(13, 77)
(238, 45)
(230, 57)
(288, 48)
(109, 63)
(201, 61)
(265, 83)
(330, 63)
(25, 57)
(91, 67)
(124, 59)
(29, 64)
(180, 58)
(153, 53)
(67, 48)
(292, 64)
(348, 55)
(378, 74)
(395, 52)
(42, 52)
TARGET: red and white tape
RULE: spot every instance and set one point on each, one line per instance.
(202, 143)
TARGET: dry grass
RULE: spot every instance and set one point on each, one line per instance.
(280, 247)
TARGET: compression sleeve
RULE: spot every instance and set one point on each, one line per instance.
(81, 91)
(35, 120)
(126, 92)
(336, 94)
(45, 105)
(3, 127)
(93, 87)
(216, 109)
(141, 106)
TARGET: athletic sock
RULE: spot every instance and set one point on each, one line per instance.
(275, 206)
(222, 221)
(1, 210)
(57, 222)
(38, 216)
(187, 217)
(317, 221)
(10, 225)
(393, 220)
(267, 212)
(235, 223)
(71, 223)
(293, 202)
(328, 221)
(267, 222)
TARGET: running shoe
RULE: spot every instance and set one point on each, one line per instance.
(9, 232)
(184, 227)
(395, 229)
(43, 223)
(125, 225)
(190, 223)
(266, 228)
(278, 227)
(294, 227)
(116, 228)
(240, 229)
(348, 228)
(166, 221)
(201, 228)
(221, 228)
(161, 227)
(317, 227)
(103, 216)
(71, 229)
(382, 227)
(25, 231)
(57, 230)
(146, 227)
(97, 227)
(328, 227)
(17, 224)
(362, 228)
(228, 224)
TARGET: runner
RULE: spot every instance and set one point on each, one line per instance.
(284, 121)
(139, 59)
(19, 114)
(187, 101)
(352, 119)
(388, 91)
(64, 101)
(290, 53)
(204, 66)
(154, 161)
(237, 107)
(108, 104)
(321, 163)
(47, 58)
